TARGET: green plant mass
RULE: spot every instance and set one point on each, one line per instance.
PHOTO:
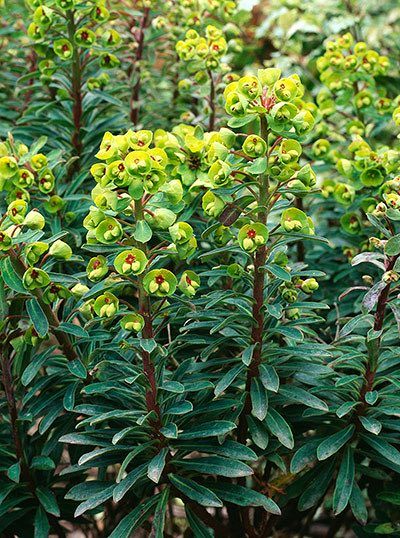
(199, 269)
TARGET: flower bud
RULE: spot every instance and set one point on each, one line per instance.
(309, 285)
(79, 290)
(34, 220)
(60, 250)
(5, 241)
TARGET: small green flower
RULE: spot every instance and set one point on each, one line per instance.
(54, 292)
(46, 181)
(139, 140)
(344, 194)
(109, 231)
(96, 268)
(234, 270)
(372, 177)
(34, 251)
(106, 306)
(84, 37)
(285, 89)
(236, 105)
(289, 151)
(212, 204)
(250, 87)
(251, 236)
(132, 322)
(321, 147)
(8, 167)
(35, 278)
(254, 146)
(173, 190)
(108, 61)
(38, 161)
(110, 38)
(309, 285)
(34, 220)
(54, 204)
(160, 282)
(219, 174)
(43, 17)
(289, 293)
(181, 232)
(351, 223)
(100, 13)
(269, 76)
(16, 211)
(5, 240)
(63, 48)
(133, 261)
(307, 176)
(295, 220)
(60, 250)
(138, 163)
(154, 180)
(189, 283)
(26, 178)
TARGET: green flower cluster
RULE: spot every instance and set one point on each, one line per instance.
(279, 99)
(202, 53)
(25, 172)
(348, 67)
(63, 28)
(138, 197)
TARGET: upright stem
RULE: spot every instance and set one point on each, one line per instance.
(62, 337)
(148, 333)
(300, 244)
(211, 123)
(76, 94)
(134, 100)
(374, 345)
(6, 374)
(258, 297)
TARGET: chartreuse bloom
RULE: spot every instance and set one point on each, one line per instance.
(35, 278)
(131, 261)
(251, 236)
(132, 322)
(212, 204)
(5, 240)
(109, 231)
(97, 268)
(54, 292)
(351, 223)
(160, 282)
(106, 305)
(189, 283)
(34, 251)
(254, 146)
(16, 211)
(181, 232)
(295, 220)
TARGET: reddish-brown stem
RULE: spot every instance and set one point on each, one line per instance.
(62, 337)
(211, 121)
(135, 95)
(148, 333)
(76, 94)
(374, 345)
(7, 380)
